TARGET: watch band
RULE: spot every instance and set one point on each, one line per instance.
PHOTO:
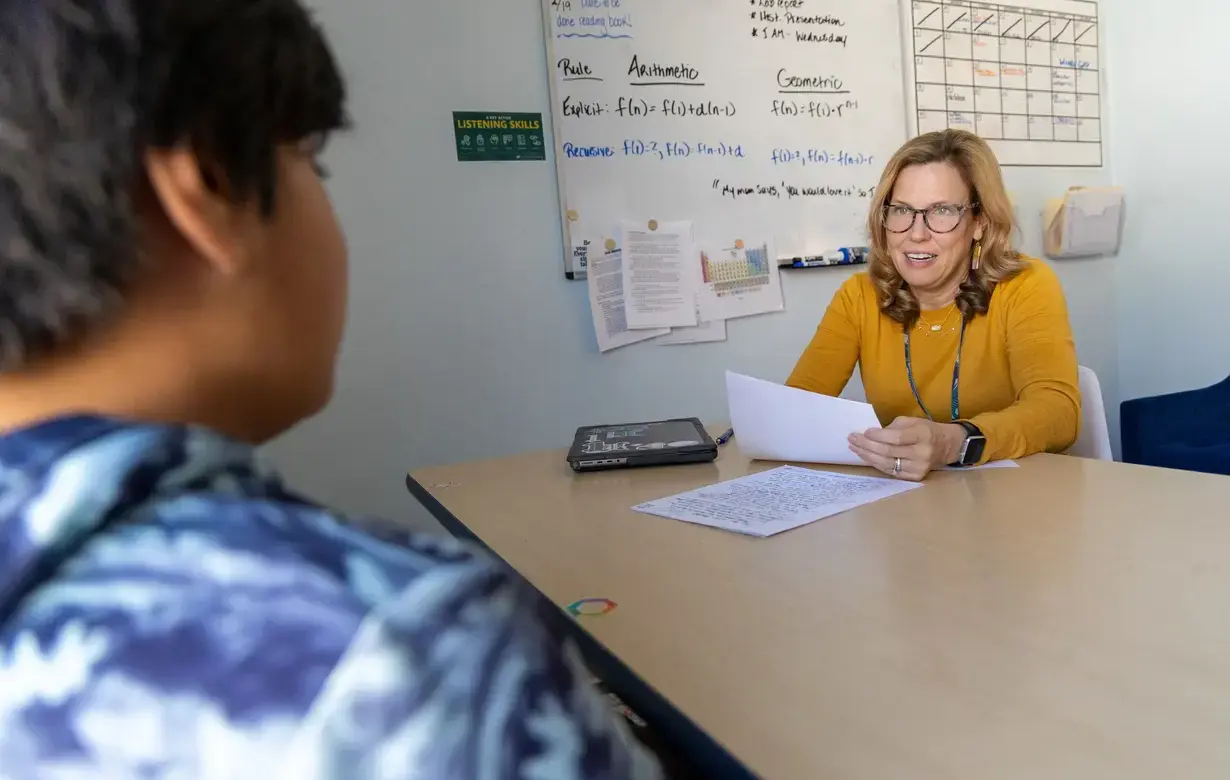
(972, 447)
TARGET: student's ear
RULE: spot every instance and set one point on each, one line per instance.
(196, 204)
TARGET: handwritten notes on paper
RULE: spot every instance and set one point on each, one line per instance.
(773, 501)
(606, 302)
(774, 422)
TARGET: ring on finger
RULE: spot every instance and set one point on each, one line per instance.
(896, 466)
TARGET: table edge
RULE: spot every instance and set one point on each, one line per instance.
(701, 751)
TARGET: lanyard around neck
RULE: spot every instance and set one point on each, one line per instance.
(956, 377)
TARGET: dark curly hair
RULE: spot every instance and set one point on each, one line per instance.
(86, 88)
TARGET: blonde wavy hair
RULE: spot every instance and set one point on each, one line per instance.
(989, 200)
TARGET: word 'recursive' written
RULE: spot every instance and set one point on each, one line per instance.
(572, 151)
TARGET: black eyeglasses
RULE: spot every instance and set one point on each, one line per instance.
(940, 218)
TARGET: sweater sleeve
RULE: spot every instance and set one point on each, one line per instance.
(828, 362)
(1046, 416)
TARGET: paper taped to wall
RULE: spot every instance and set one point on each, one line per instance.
(659, 274)
(714, 330)
(606, 301)
(739, 281)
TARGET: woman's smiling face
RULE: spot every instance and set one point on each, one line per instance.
(930, 260)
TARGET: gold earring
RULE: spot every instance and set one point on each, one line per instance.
(977, 255)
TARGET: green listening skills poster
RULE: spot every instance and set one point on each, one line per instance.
(486, 137)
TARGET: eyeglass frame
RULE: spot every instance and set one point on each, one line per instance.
(973, 207)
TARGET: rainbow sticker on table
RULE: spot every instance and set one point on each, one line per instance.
(591, 607)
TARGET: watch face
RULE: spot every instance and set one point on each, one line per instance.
(974, 447)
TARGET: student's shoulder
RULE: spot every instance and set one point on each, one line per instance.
(252, 618)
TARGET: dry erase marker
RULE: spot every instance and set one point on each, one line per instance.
(844, 256)
(853, 254)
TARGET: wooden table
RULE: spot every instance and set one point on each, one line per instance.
(1067, 619)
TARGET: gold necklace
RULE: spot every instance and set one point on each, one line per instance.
(931, 327)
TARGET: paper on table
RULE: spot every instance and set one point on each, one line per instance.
(739, 281)
(774, 501)
(659, 274)
(606, 301)
(714, 330)
(774, 422)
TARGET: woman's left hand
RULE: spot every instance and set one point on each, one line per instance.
(921, 446)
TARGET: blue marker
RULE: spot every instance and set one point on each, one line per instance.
(725, 437)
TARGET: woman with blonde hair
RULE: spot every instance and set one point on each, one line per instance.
(963, 344)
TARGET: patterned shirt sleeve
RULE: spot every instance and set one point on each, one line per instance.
(453, 676)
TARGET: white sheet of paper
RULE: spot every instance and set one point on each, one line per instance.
(774, 501)
(738, 281)
(715, 330)
(659, 274)
(994, 464)
(774, 422)
(605, 279)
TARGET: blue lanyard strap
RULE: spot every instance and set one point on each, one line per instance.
(956, 377)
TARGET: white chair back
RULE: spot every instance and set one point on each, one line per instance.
(1094, 439)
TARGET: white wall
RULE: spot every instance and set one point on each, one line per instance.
(464, 339)
(1171, 119)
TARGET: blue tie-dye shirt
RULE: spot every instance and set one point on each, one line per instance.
(168, 610)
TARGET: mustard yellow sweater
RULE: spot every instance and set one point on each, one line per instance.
(1018, 380)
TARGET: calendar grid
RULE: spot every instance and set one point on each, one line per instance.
(1024, 75)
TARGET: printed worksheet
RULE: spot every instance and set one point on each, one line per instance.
(606, 302)
(659, 275)
(773, 501)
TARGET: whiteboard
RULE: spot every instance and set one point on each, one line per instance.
(1025, 75)
(764, 120)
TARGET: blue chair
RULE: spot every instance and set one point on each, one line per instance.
(1188, 430)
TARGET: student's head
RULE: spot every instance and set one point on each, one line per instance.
(167, 248)
(941, 218)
